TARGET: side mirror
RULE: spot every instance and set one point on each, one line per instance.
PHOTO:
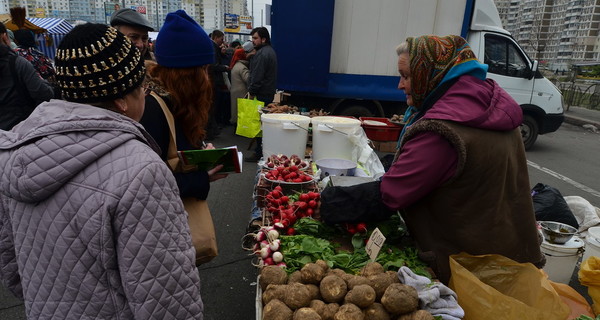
(533, 70)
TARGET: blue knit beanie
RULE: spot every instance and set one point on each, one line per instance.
(182, 43)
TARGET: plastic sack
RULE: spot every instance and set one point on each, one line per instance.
(576, 302)
(585, 213)
(248, 124)
(496, 287)
(589, 276)
(550, 205)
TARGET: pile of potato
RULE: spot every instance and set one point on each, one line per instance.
(317, 292)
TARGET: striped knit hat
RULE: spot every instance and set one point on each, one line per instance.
(96, 63)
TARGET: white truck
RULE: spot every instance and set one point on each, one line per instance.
(339, 55)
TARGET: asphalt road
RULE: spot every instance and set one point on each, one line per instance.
(567, 159)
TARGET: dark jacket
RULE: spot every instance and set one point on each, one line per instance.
(217, 69)
(263, 72)
(17, 100)
(191, 184)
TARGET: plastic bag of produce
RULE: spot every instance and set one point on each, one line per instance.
(496, 287)
(248, 124)
(589, 276)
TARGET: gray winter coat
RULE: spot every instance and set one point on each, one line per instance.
(91, 223)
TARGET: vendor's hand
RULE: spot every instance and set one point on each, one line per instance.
(209, 146)
(213, 174)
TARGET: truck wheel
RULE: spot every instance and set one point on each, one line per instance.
(356, 111)
(529, 131)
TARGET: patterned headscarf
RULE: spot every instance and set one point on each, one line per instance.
(432, 57)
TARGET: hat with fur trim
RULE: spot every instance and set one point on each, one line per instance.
(96, 63)
(182, 43)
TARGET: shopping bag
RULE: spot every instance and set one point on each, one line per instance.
(576, 302)
(248, 124)
(496, 287)
(202, 229)
(589, 276)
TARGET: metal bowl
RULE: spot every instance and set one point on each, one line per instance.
(556, 232)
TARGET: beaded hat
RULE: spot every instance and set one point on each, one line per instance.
(96, 63)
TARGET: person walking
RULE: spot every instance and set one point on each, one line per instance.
(263, 76)
(21, 87)
(240, 74)
(27, 48)
(180, 78)
(91, 222)
(459, 177)
(219, 74)
(135, 26)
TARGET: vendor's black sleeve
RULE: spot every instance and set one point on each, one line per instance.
(358, 203)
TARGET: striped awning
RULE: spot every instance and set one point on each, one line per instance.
(53, 25)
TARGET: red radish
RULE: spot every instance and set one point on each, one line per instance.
(272, 234)
(282, 264)
(265, 252)
(260, 236)
(291, 231)
(269, 261)
(274, 246)
(277, 257)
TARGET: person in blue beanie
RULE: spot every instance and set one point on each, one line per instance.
(180, 79)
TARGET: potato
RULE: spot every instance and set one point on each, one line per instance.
(296, 276)
(330, 310)
(277, 310)
(399, 299)
(338, 272)
(314, 291)
(357, 280)
(272, 275)
(380, 282)
(417, 315)
(274, 291)
(372, 268)
(318, 306)
(349, 311)
(312, 273)
(393, 275)
(297, 296)
(323, 265)
(376, 311)
(306, 314)
(333, 288)
(362, 295)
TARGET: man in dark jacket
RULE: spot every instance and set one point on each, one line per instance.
(21, 88)
(263, 75)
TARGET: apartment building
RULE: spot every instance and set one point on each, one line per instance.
(209, 13)
(557, 33)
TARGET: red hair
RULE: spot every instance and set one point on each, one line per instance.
(239, 54)
(191, 97)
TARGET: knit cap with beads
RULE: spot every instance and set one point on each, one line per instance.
(96, 63)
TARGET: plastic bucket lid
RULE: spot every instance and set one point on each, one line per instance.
(336, 121)
(285, 117)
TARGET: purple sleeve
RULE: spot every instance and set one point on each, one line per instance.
(426, 162)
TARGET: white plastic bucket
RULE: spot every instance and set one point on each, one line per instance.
(330, 137)
(285, 134)
(561, 259)
(592, 243)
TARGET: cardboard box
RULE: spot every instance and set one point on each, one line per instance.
(385, 146)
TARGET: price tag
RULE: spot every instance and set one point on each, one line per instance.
(375, 243)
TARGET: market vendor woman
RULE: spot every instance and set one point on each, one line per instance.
(459, 177)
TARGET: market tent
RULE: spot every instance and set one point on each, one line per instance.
(7, 20)
(57, 29)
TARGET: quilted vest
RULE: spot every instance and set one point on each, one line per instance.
(485, 208)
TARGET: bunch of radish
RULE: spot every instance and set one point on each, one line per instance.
(285, 210)
(283, 160)
(353, 228)
(267, 246)
(290, 173)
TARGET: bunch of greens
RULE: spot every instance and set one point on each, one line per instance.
(311, 227)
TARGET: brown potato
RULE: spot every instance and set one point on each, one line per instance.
(314, 291)
(312, 273)
(361, 295)
(372, 268)
(349, 311)
(393, 275)
(306, 314)
(357, 280)
(330, 310)
(338, 272)
(318, 306)
(333, 289)
(376, 311)
(272, 275)
(417, 315)
(399, 299)
(277, 310)
(296, 276)
(323, 265)
(380, 282)
(297, 296)
(274, 291)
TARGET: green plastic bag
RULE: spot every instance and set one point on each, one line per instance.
(248, 124)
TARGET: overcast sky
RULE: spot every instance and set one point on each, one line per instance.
(258, 6)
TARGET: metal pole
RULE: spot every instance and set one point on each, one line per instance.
(253, 23)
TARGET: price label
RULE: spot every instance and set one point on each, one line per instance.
(375, 243)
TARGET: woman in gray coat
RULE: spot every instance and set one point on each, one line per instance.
(91, 223)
